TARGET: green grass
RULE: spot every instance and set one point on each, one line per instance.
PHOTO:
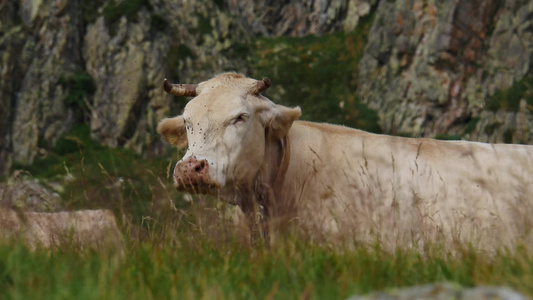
(207, 270)
(96, 176)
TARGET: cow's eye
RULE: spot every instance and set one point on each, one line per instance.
(239, 119)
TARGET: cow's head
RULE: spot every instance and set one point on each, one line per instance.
(225, 130)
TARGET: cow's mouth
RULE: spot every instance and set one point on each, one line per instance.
(196, 187)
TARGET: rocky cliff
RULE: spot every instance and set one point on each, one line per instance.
(453, 69)
(460, 68)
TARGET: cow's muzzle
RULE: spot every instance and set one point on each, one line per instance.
(192, 173)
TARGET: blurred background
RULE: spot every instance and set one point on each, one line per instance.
(81, 81)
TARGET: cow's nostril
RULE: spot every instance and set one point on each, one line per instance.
(202, 165)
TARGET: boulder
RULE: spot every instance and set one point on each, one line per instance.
(29, 195)
(84, 229)
(443, 291)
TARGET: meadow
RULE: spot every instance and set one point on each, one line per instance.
(202, 269)
(180, 247)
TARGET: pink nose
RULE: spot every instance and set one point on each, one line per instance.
(191, 171)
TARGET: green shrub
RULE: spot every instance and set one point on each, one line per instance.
(204, 24)
(508, 136)
(129, 8)
(79, 87)
(157, 22)
(471, 125)
(90, 10)
(509, 99)
(239, 50)
(75, 140)
(448, 137)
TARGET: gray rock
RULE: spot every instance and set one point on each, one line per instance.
(439, 64)
(83, 229)
(40, 50)
(299, 18)
(128, 70)
(444, 291)
(29, 195)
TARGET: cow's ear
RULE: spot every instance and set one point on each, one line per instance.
(174, 131)
(280, 118)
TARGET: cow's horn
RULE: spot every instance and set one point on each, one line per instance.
(261, 85)
(180, 89)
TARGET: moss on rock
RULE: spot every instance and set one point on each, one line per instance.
(79, 86)
(509, 99)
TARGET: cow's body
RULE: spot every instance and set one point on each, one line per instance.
(337, 182)
(346, 181)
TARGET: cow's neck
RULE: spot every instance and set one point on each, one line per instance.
(276, 161)
(269, 179)
(262, 200)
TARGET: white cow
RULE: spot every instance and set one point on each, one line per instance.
(337, 182)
